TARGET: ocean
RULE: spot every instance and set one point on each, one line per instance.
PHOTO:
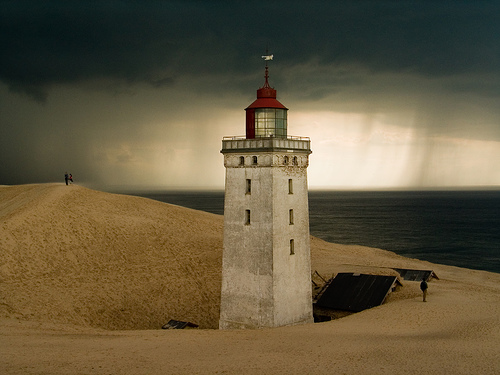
(458, 228)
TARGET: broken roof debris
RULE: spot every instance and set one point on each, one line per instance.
(356, 292)
(176, 324)
(416, 275)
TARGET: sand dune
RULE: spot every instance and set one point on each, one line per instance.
(74, 255)
(87, 279)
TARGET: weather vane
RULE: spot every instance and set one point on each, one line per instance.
(267, 57)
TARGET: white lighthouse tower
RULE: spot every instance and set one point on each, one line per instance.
(266, 268)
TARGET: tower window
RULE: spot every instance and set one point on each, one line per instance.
(290, 186)
(285, 160)
(247, 217)
(292, 247)
(242, 160)
(290, 215)
(254, 159)
(248, 186)
(295, 161)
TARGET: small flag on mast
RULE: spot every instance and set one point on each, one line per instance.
(267, 57)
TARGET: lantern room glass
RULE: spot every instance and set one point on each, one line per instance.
(270, 122)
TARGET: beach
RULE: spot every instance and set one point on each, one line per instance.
(87, 279)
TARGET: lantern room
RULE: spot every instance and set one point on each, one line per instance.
(266, 116)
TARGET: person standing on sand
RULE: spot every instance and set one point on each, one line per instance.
(423, 288)
(66, 177)
(71, 177)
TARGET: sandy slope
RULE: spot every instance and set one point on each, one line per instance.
(74, 255)
(75, 261)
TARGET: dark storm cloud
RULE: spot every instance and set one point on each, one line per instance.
(156, 42)
(138, 92)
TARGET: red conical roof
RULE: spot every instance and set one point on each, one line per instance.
(266, 96)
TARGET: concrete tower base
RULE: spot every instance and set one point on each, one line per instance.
(266, 280)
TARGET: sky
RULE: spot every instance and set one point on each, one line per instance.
(139, 94)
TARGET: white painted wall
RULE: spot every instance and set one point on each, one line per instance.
(263, 285)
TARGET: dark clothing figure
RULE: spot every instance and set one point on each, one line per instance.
(423, 288)
(66, 177)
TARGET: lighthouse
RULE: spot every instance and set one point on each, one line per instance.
(266, 266)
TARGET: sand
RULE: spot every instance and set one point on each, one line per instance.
(88, 278)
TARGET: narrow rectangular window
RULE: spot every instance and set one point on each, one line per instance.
(290, 186)
(290, 214)
(247, 217)
(292, 247)
(248, 186)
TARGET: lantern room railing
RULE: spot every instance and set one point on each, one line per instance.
(242, 137)
(290, 143)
